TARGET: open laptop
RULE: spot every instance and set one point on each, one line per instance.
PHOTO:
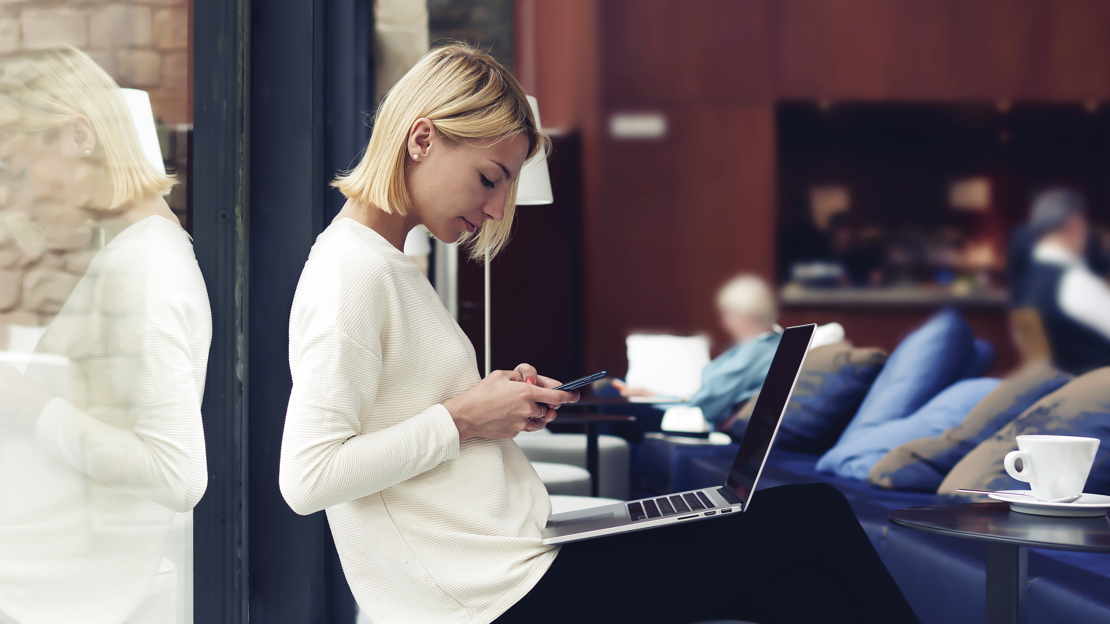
(734, 497)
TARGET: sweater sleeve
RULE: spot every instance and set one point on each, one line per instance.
(733, 377)
(157, 452)
(326, 459)
(1086, 298)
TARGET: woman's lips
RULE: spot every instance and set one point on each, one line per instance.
(470, 227)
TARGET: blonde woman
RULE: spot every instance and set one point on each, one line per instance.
(436, 513)
(101, 441)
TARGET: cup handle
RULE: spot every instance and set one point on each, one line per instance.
(1026, 472)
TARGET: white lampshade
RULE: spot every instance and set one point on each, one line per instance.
(534, 188)
(138, 104)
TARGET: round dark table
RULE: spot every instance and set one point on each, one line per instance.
(1008, 535)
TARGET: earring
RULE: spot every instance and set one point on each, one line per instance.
(88, 152)
(416, 156)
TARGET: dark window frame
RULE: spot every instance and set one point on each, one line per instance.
(219, 202)
(280, 90)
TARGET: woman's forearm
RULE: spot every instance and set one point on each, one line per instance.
(161, 459)
(319, 471)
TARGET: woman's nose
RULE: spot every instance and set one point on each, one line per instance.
(495, 208)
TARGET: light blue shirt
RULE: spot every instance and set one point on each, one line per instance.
(735, 376)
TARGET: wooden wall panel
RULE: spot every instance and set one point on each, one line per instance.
(638, 49)
(994, 47)
(865, 49)
(556, 45)
(920, 62)
(679, 216)
(669, 50)
(724, 52)
(832, 48)
(730, 156)
(1071, 60)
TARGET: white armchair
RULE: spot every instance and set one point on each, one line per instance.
(614, 458)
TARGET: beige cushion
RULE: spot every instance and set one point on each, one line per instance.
(922, 464)
(1080, 408)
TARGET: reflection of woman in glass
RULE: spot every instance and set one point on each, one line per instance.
(436, 513)
(100, 439)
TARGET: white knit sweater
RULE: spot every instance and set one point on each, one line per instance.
(428, 529)
(87, 504)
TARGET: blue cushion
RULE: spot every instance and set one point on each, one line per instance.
(854, 457)
(922, 464)
(982, 356)
(829, 390)
(1080, 408)
(925, 362)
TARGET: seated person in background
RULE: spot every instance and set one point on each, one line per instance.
(748, 313)
(1073, 302)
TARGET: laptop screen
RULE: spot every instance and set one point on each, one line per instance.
(769, 407)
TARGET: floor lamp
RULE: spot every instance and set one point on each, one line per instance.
(533, 189)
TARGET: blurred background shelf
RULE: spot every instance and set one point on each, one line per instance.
(892, 297)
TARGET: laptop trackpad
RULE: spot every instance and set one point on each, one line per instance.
(588, 519)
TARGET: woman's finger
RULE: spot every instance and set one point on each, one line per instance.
(548, 396)
(526, 370)
(547, 382)
(535, 423)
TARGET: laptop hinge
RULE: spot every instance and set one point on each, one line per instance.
(729, 495)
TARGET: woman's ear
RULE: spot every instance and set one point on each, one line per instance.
(82, 138)
(421, 137)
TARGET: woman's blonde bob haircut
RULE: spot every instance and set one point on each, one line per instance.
(469, 97)
(42, 90)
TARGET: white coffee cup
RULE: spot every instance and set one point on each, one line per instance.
(1053, 466)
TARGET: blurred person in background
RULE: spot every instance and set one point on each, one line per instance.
(748, 313)
(1020, 254)
(1056, 280)
(101, 442)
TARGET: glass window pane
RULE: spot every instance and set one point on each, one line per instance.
(104, 318)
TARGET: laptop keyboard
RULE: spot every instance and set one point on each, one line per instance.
(669, 505)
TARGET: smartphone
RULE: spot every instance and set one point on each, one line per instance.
(584, 381)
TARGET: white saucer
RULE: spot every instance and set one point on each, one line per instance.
(1086, 506)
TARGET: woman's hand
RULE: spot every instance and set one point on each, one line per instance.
(627, 391)
(504, 404)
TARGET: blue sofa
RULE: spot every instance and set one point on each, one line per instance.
(944, 578)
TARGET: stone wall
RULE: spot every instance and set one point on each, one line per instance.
(143, 44)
